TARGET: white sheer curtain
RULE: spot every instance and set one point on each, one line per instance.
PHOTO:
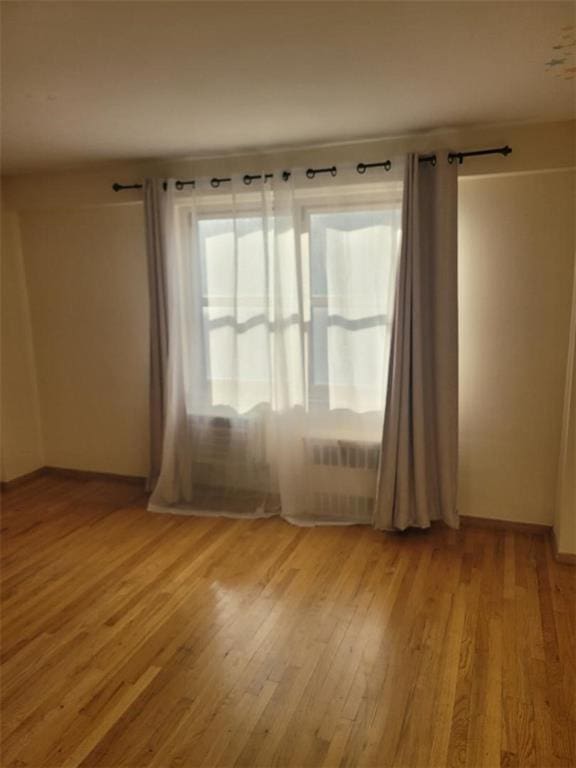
(280, 301)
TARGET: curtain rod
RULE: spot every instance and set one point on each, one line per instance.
(332, 170)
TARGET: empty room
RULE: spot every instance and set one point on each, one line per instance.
(288, 384)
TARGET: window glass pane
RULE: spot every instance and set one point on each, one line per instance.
(353, 254)
(319, 373)
(235, 313)
(353, 259)
(233, 257)
(237, 344)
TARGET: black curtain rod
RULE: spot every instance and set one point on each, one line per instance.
(311, 173)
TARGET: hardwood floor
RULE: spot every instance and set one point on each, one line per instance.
(138, 639)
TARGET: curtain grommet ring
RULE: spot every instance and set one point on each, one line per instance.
(247, 179)
(311, 172)
(363, 167)
(178, 185)
(215, 183)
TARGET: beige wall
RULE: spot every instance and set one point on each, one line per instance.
(85, 261)
(21, 440)
(516, 261)
(89, 301)
(565, 519)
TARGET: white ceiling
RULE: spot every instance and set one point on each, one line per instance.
(89, 82)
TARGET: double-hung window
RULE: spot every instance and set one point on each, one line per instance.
(345, 254)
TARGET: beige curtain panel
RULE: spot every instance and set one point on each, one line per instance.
(419, 454)
(156, 217)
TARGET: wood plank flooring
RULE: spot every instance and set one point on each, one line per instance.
(137, 639)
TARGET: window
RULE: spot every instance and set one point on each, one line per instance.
(337, 316)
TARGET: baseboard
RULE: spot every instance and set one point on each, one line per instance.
(75, 474)
(562, 557)
(7, 485)
(88, 474)
(509, 525)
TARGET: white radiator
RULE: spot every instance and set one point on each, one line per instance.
(228, 453)
(342, 478)
(343, 453)
(216, 441)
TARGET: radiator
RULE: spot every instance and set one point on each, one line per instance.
(220, 439)
(228, 453)
(341, 477)
(343, 453)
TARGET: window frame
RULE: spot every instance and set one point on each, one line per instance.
(307, 202)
